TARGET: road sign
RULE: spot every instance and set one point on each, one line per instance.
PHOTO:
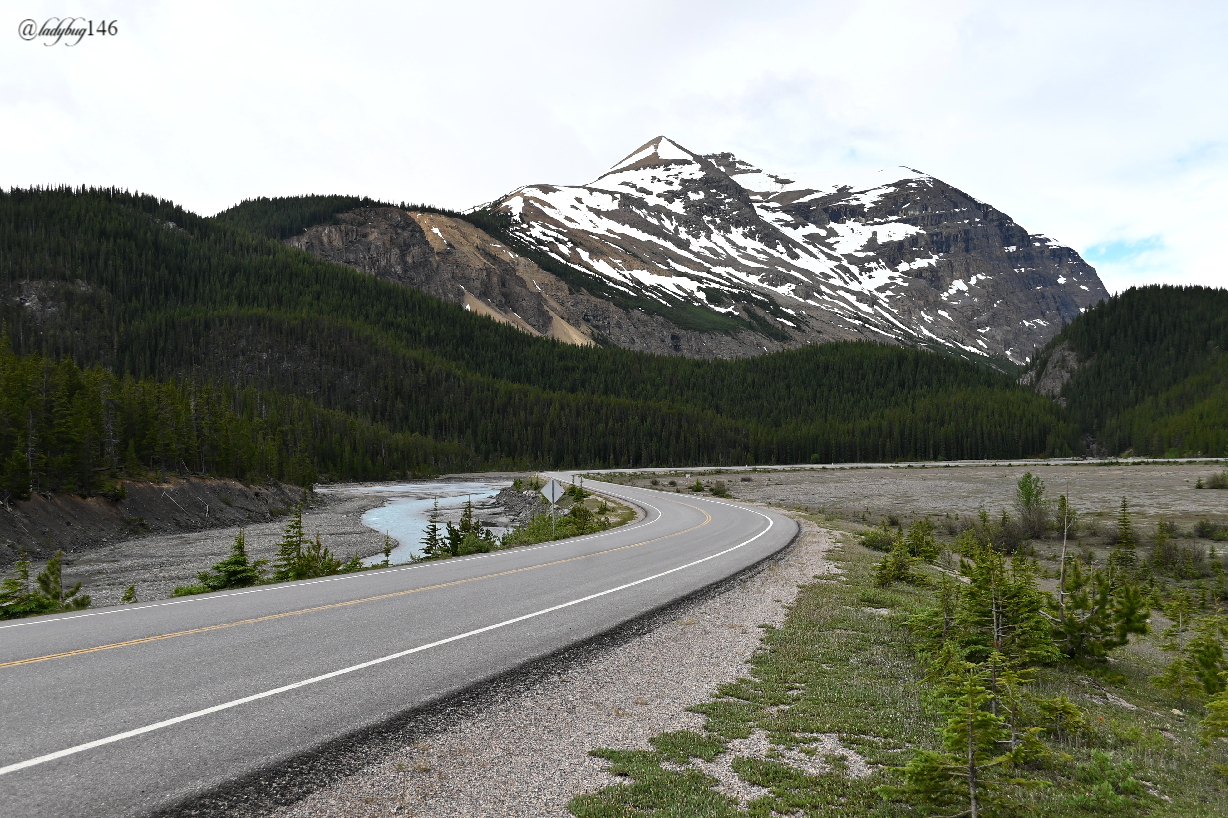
(553, 491)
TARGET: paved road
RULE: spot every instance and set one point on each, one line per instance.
(122, 711)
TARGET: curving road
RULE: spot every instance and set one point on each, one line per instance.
(127, 710)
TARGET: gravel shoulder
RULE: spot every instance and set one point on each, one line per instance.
(523, 751)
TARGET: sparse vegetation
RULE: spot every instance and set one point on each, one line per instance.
(298, 557)
(1085, 660)
(958, 695)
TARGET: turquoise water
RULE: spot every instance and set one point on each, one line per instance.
(404, 516)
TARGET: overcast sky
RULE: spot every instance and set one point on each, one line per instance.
(1102, 125)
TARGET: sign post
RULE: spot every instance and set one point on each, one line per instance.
(552, 492)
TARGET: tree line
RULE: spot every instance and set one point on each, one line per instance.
(68, 429)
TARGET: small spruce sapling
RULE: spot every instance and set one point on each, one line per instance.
(1215, 725)
(1122, 557)
(289, 562)
(963, 778)
(1091, 617)
(433, 544)
(236, 571)
(129, 594)
(51, 587)
(896, 566)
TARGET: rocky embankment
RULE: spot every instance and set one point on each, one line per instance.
(517, 507)
(49, 522)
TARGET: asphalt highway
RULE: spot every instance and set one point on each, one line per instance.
(128, 710)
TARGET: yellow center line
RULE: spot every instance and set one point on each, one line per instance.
(143, 640)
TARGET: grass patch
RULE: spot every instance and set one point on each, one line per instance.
(834, 667)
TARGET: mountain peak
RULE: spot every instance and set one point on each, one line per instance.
(657, 151)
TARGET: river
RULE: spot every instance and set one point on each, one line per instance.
(405, 513)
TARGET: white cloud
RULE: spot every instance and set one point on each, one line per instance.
(1101, 124)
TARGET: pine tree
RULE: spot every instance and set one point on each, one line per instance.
(317, 561)
(129, 594)
(896, 566)
(289, 562)
(433, 544)
(464, 538)
(1206, 652)
(236, 571)
(15, 476)
(1215, 725)
(1062, 717)
(1122, 557)
(51, 588)
(16, 596)
(1091, 617)
(1179, 679)
(1002, 610)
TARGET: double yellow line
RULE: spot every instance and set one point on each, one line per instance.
(143, 640)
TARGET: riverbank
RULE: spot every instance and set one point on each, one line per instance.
(156, 564)
(46, 523)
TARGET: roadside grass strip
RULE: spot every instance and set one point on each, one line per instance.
(835, 700)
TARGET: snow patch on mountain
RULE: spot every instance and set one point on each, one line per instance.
(868, 251)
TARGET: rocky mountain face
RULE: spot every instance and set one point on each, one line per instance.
(898, 256)
(667, 237)
(452, 260)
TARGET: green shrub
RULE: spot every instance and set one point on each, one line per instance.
(1208, 530)
(881, 538)
(575, 523)
(189, 590)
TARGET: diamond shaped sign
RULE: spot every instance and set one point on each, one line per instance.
(553, 491)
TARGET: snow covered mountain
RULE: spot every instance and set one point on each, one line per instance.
(899, 256)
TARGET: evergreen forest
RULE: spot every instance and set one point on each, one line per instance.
(142, 339)
(1152, 374)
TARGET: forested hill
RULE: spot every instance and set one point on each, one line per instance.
(284, 216)
(143, 288)
(1145, 371)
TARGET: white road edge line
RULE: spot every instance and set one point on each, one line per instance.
(342, 577)
(80, 748)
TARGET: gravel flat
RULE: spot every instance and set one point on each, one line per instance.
(157, 563)
(1159, 490)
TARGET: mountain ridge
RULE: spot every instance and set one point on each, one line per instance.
(709, 230)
